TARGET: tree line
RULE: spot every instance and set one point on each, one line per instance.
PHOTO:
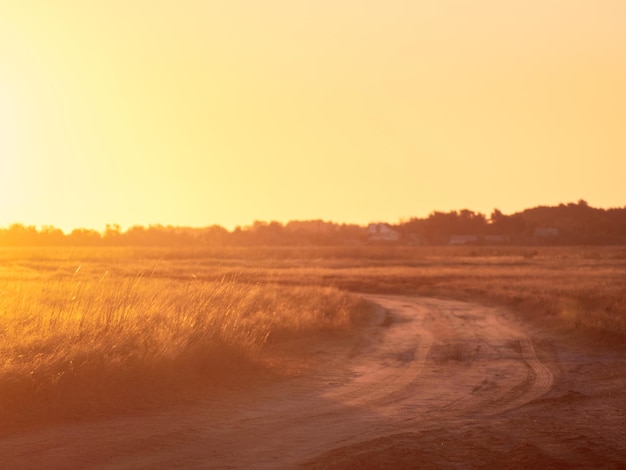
(572, 223)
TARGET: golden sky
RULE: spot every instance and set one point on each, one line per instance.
(200, 112)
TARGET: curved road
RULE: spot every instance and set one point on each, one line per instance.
(422, 368)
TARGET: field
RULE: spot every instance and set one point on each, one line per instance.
(83, 337)
(90, 332)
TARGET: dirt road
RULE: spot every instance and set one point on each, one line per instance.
(431, 384)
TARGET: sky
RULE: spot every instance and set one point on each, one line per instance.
(194, 113)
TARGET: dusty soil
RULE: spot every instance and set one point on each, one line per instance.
(430, 384)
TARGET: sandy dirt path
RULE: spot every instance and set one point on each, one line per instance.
(430, 384)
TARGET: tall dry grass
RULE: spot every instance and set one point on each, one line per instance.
(574, 288)
(79, 344)
(96, 330)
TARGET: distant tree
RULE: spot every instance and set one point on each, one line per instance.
(214, 235)
(111, 234)
(136, 235)
(21, 235)
(496, 216)
(510, 225)
(84, 237)
(51, 236)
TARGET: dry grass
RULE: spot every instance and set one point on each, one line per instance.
(134, 326)
(576, 288)
(76, 344)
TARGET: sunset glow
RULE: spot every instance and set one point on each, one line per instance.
(199, 113)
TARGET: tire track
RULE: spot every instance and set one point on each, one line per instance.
(405, 338)
(438, 364)
(538, 382)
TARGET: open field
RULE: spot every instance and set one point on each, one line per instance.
(578, 287)
(495, 352)
(79, 339)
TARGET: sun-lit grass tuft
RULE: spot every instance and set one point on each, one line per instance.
(77, 344)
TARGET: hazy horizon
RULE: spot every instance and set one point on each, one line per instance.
(124, 228)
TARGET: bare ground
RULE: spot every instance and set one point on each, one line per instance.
(431, 384)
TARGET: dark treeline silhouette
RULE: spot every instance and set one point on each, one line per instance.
(565, 224)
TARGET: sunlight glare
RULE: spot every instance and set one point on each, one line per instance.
(8, 155)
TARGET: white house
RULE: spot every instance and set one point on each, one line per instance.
(382, 232)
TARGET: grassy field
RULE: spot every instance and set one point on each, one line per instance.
(94, 331)
(80, 339)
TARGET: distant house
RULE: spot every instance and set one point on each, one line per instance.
(462, 239)
(382, 232)
(546, 232)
